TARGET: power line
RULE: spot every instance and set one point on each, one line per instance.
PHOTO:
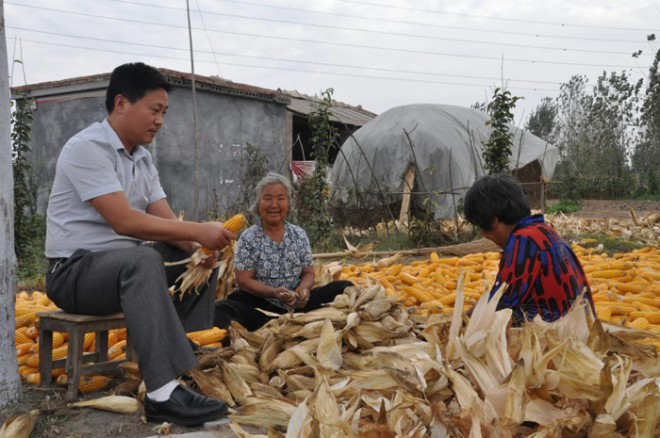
(380, 32)
(428, 37)
(515, 20)
(333, 43)
(268, 58)
(416, 23)
(123, 52)
(421, 52)
(208, 38)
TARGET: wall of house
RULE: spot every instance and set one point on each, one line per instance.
(226, 124)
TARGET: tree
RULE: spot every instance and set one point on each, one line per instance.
(612, 124)
(10, 383)
(542, 121)
(573, 107)
(646, 157)
(24, 196)
(497, 149)
(313, 191)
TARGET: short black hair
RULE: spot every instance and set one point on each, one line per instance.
(133, 81)
(495, 196)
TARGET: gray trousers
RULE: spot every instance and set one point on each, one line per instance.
(135, 281)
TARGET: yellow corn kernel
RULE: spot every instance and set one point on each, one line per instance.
(206, 337)
(651, 317)
(394, 270)
(62, 379)
(640, 323)
(235, 223)
(28, 370)
(32, 360)
(117, 349)
(20, 337)
(449, 300)
(608, 273)
(58, 339)
(90, 341)
(93, 383)
(604, 313)
(23, 349)
(60, 352)
(406, 278)
(26, 320)
(34, 378)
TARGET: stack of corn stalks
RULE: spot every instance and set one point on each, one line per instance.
(367, 366)
(196, 273)
(645, 231)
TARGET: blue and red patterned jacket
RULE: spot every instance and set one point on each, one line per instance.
(542, 273)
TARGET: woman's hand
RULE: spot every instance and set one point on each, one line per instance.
(286, 296)
(302, 296)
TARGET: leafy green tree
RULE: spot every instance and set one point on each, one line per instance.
(596, 132)
(24, 199)
(573, 107)
(543, 120)
(497, 150)
(313, 192)
(646, 157)
(612, 124)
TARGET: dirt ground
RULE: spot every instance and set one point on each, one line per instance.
(57, 420)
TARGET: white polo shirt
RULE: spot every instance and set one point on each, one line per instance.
(93, 163)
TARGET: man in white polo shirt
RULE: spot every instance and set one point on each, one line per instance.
(106, 201)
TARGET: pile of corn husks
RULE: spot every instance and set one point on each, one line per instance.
(645, 230)
(365, 366)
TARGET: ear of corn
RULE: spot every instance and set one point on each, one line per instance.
(206, 337)
(196, 274)
(235, 223)
(89, 384)
(113, 403)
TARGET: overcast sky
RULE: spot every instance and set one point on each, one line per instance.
(374, 53)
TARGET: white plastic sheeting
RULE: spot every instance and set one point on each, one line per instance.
(446, 140)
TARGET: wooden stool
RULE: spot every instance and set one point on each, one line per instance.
(77, 362)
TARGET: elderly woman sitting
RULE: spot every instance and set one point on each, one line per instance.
(273, 264)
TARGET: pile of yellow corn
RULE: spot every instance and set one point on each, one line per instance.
(27, 345)
(625, 286)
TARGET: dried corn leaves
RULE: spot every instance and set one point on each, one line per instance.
(365, 366)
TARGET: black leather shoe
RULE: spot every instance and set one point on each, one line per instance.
(185, 407)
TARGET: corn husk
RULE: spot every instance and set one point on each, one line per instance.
(354, 370)
(195, 275)
(112, 403)
(19, 426)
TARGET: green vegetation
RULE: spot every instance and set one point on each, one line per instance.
(602, 242)
(497, 150)
(649, 197)
(564, 206)
(32, 264)
(314, 214)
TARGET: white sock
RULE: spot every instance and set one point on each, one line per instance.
(163, 393)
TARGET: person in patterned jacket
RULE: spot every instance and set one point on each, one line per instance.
(273, 264)
(543, 275)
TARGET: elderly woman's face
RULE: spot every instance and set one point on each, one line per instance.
(274, 204)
